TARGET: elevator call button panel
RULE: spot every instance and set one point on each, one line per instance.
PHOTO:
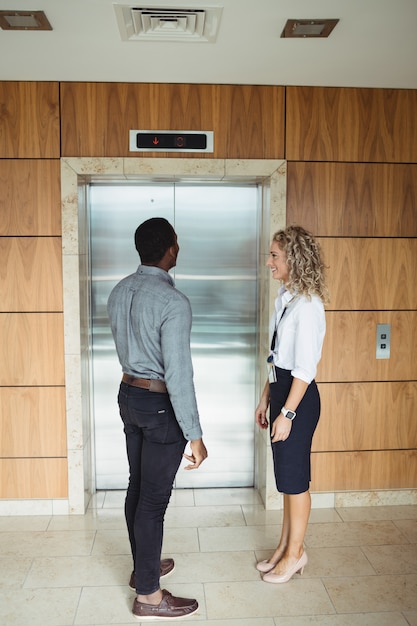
(383, 341)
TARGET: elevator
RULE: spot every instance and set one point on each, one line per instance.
(218, 229)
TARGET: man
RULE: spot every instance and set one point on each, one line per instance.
(151, 325)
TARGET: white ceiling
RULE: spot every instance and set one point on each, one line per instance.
(373, 45)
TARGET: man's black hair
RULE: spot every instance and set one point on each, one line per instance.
(153, 238)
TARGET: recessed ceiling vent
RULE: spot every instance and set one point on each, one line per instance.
(159, 24)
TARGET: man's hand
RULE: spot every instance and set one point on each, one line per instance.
(198, 454)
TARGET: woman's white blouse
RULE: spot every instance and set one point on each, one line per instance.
(300, 334)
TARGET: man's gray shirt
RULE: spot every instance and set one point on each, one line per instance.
(151, 325)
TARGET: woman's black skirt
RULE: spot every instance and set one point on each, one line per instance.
(292, 457)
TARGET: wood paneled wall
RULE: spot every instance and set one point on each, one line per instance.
(352, 181)
(30, 198)
(33, 265)
(248, 122)
(346, 124)
(342, 428)
(33, 446)
(29, 120)
(377, 274)
(371, 470)
(353, 199)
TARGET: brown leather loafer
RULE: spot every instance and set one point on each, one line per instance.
(170, 607)
(167, 566)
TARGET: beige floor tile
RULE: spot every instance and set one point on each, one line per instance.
(392, 559)
(243, 538)
(256, 515)
(408, 528)
(114, 499)
(369, 513)
(96, 500)
(322, 516)
(259, 599)
(13, 571)
(111, 542)
(213, 566)
(110, 606)
(204, 497)
(358, 619)
(200, 620)
(260, 621)
(177, 540)
(39, 607)
(187, 516)
(94, 519)
(325, 562)
(411, 618)
(65, 543)
(182, 497)
(21, 523)
(81, 571)
(373, 593)
(353, 534)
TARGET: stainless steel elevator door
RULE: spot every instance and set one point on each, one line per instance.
(217, 268)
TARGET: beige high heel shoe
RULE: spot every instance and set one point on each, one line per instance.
(283, 578)
(265, 566)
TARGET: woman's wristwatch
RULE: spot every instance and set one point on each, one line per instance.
(288, 413)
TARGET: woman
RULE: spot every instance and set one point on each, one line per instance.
(297, 331)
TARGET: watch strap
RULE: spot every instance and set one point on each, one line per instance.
(288, 413)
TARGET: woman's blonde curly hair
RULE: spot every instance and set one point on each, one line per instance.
(306, 268)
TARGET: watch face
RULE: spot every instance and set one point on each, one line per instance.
(290, 415)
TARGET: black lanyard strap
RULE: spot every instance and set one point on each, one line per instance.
(274, 336)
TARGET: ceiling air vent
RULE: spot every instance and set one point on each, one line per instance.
(159, 24)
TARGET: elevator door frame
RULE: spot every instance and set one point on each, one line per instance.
(76, 175)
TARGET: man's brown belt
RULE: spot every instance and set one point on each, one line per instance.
(144, 383)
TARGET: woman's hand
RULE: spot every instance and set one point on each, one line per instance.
(281, 429)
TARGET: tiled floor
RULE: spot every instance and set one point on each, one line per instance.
(362, 570)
